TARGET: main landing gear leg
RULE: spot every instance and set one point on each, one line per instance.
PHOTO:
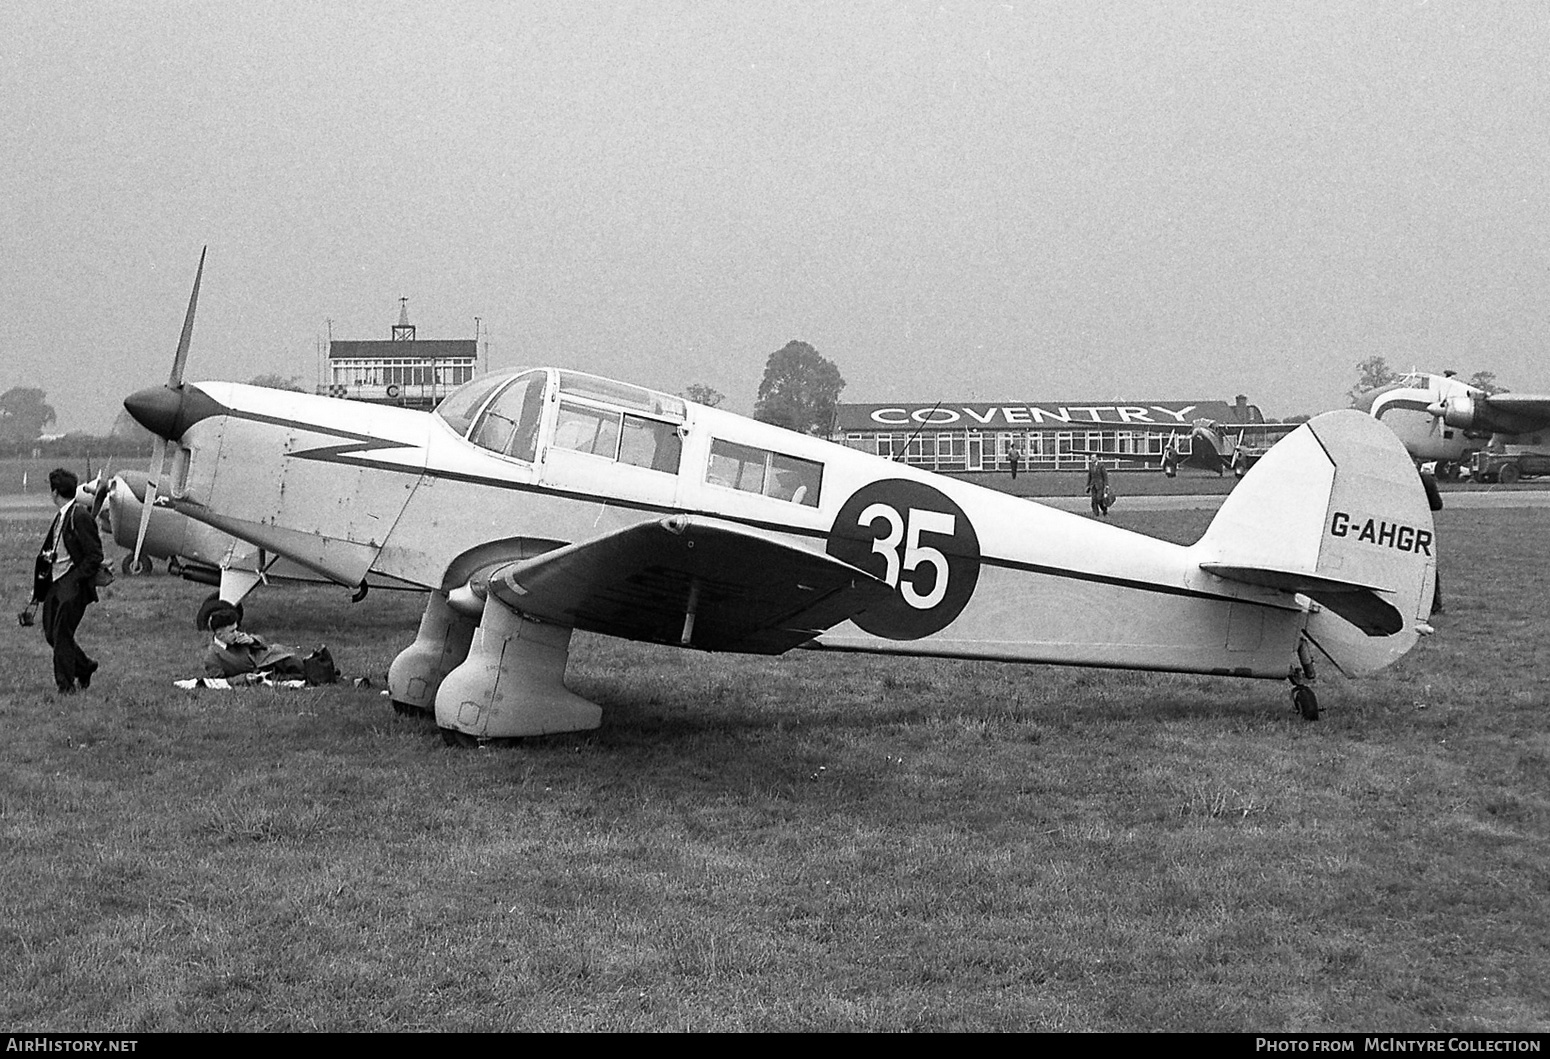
(234, 588)
(513, 683)
(1302, 676)
(438, 648)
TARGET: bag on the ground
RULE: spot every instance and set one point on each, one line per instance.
(318, 667)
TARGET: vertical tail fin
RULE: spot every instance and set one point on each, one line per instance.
(1337, 512)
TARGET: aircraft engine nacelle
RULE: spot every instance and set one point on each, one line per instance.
(170, 534)
(166, 535)
(314, 479)
(1461, 412)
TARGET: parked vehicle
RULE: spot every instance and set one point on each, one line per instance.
(1508, 467)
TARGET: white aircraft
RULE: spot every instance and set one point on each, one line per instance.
(1442, 418)
(537, 501)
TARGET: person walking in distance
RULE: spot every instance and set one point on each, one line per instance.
(1098, 486)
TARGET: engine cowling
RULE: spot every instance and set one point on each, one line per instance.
(1461, 412)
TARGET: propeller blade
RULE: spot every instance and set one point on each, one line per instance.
(150, 498)
(100, 490)
(176, 378)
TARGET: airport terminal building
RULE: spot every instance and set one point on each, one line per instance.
(403, 370)
(984, 436)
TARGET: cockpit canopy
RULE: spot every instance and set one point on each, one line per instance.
(519, 414)
(505, 413)
(1446, 384)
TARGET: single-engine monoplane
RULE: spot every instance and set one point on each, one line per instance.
(537, 501)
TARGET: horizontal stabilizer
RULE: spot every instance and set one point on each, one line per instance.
(1358, 604)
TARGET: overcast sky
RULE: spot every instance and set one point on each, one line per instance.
(1023, 201)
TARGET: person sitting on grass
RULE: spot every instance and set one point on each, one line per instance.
(234, 653)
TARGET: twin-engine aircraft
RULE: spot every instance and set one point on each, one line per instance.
(538, 501)
(1206, 445)
(1442, 418)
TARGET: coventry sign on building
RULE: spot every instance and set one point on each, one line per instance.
(985, 436)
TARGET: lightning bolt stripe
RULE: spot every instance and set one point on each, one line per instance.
(331, 453)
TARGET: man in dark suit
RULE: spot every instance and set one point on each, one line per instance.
(64, 581)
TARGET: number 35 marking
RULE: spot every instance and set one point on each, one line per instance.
(921, 543)
(909, 529)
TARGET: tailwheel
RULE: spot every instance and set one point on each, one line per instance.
(1305, 702)
(404, 709)
(453, 737)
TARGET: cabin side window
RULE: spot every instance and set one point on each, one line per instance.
(590, 430)
(629, 439)
(798, 481)
(754, 470)
(736, 466)
(650, 443)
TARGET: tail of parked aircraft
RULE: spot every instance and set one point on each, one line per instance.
(1337, 512)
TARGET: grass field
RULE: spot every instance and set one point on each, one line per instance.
(814, 842)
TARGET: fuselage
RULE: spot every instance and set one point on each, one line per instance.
(532, 459)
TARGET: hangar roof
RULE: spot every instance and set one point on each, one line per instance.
(412, 349)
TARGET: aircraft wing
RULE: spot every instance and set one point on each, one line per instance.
(1519, 413)
(1110, 454)
(693, 581)
(1218, 426)
(1259, 431)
